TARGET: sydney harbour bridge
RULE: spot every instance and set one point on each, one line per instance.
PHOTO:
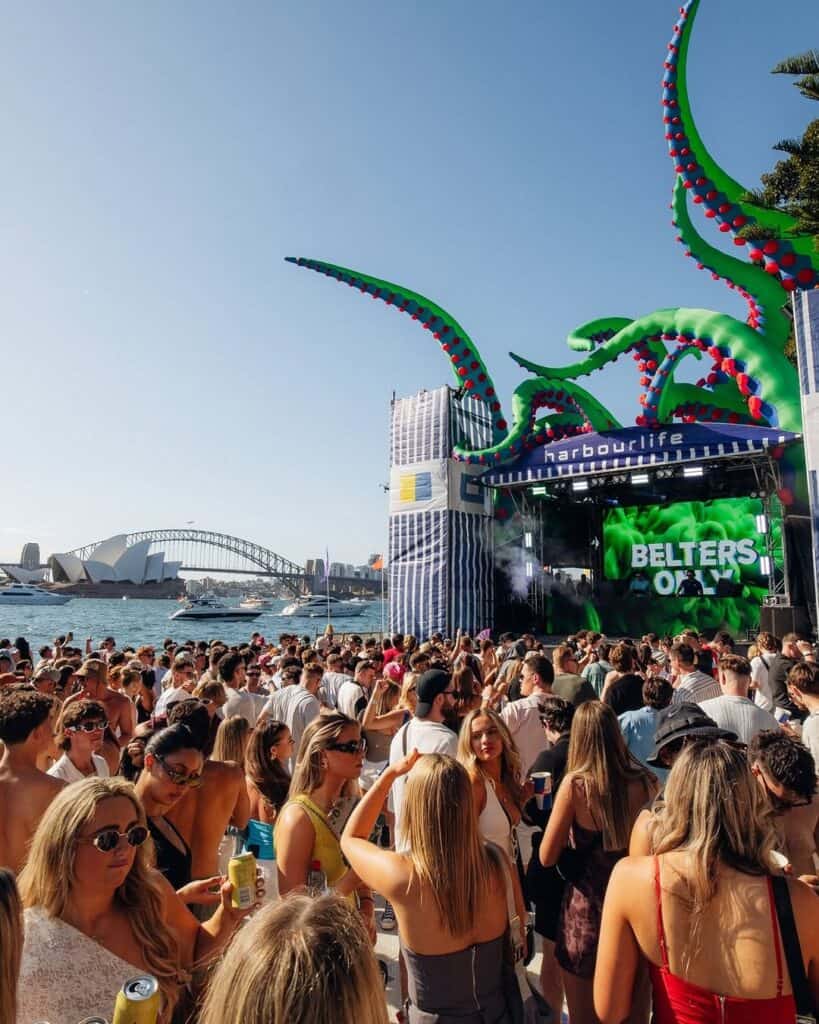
(207, 552)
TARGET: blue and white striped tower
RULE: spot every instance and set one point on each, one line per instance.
(806, 323)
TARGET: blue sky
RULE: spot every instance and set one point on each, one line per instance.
(163, 364)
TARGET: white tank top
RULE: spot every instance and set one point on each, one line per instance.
(493, 823)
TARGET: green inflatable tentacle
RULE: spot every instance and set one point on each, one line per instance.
(763, 293)
(468, 367)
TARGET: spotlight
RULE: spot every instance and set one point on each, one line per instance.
(762, 524)
(692, 471)
(529, 570)
(539, 491)
(580, 485)
(765, 565)
(640, 478)
(527, 540)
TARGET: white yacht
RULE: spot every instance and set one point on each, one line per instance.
(320, 606)
(260, 604)
(24, 593)
(211, 608)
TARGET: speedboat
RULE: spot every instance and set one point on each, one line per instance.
(24, 593)
(258, 603)
(210, 608)
(316, 606)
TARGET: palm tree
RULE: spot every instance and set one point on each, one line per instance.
(806, 64)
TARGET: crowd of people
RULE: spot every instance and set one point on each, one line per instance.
(643, 813)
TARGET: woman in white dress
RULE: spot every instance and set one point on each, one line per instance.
(98, 912)
(487, 751)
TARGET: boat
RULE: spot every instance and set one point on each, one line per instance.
(259, 603)
(210, 608)
(317, 606)
(25, 593)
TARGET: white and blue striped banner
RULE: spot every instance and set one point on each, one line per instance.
(806, 327)
(440, 545)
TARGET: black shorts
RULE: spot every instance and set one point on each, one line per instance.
(544, 890)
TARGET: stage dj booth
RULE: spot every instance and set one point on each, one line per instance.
(646, 512)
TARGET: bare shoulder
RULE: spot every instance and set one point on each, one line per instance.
(223, 773)
(631, 878)
(805, 903)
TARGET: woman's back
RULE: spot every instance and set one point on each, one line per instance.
(423, 931)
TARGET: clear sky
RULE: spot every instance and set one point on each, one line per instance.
(163, 364)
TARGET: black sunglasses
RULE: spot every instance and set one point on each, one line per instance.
(351, 747)
(108, 840)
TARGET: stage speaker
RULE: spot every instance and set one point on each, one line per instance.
(784, 618)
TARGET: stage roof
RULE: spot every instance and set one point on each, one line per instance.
(635, 448)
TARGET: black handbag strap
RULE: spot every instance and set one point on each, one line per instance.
(790, 943)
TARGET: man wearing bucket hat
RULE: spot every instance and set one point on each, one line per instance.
(677, 725)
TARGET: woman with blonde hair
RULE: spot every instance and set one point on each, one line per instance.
(408, 698)
(602, 792)
(382, 719)
(304, 960)
(98, 912)
(11, 945)
(267, 779)
(448, 889)
(329, 763)
(702, 911)
(487, 751)
(231, 742)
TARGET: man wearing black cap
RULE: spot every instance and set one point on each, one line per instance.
(426, 732)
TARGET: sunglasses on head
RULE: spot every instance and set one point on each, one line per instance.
(108, 840)
(351, 747)
(95, 726)
(178, 778)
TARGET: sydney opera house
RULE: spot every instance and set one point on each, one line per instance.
(113, 568)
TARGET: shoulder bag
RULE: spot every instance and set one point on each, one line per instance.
(805, 1008)
(525, 1005)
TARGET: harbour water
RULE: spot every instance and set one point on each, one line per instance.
(138, 621)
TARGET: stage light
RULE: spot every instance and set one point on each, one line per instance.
(762, 523)
(640, 478)
(692, 471)
(580, 485)
(540, 491)
(529, 570)
(527, 540)
(765, 565)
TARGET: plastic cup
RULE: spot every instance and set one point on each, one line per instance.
(543, 789)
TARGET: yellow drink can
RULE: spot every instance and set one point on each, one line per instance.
(138, 1001)
(242, 875)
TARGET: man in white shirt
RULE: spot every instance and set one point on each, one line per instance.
(768, 647)
(803, 686)
(354, 693)
(334, 678)
(296, 703)
(239, 700)
(690, 685)
(522, 717)
(183, 680)
(425, 732)
(82, 725)
(734, 710)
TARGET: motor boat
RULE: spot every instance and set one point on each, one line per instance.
(24, 593)
(210, 608)
(258, 603)
(318, 606)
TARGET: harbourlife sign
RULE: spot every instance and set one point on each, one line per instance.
(636, 447)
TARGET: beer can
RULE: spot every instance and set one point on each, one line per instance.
(242, 875)
(92, 1020)
(138, 1001)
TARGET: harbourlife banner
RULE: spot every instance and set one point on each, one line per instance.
(634, 448)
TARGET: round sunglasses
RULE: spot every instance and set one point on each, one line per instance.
(108, 839)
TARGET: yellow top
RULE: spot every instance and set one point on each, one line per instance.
(326, 847)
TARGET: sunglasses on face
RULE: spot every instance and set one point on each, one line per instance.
(351, 747)
(179, 778)
(108, 840)
(87, 727)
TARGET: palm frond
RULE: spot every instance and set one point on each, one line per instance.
(801, 64)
